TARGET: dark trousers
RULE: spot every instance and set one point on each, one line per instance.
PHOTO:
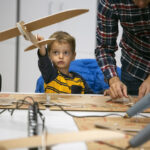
(132, 83)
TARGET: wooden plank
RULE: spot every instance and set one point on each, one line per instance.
(86, 102)
(13, 98)
(71, 102)
(114, 123)
(53, 139)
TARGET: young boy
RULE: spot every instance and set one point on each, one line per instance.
(54, 62)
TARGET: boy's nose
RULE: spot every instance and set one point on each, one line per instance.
(61, 55)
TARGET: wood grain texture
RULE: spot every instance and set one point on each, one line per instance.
(113, 122)
(53, 139)
(75, 102)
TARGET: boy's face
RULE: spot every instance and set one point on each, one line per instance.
(61, 55)
(141, 3)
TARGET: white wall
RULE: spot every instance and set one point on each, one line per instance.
(8, 47)
(82, 27)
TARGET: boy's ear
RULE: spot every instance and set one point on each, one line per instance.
(74, 56)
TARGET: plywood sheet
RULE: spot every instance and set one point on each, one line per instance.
(92, 103)
(9, 100)
(133, 123)
(73, 102)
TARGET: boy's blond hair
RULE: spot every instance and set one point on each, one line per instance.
(63, 37)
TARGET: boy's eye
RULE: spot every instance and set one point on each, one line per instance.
(66, 53)
(56, 52)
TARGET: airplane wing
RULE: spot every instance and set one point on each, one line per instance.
(43, 22)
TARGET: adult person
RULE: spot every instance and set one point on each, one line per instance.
(134, 17)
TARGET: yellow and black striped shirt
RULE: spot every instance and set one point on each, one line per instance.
(57, 82)
(63, 84)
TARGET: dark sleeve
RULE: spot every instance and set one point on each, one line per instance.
(46, 67)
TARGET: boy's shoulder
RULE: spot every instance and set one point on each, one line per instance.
(74, 74)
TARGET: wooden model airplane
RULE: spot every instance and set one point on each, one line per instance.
(25, 29)
(53, 139)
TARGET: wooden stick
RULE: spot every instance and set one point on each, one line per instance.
(52, 139)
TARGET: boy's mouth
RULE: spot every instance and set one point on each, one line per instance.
(60, 62)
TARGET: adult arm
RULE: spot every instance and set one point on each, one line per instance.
(107, 32)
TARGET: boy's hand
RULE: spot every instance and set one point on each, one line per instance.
(42, 50)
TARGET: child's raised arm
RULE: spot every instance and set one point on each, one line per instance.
(42, 50)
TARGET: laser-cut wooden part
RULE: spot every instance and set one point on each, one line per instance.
(43, 22)
(25, 29)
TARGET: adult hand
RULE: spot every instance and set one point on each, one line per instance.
(144, 89)
(107, 92)
(117, 88)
